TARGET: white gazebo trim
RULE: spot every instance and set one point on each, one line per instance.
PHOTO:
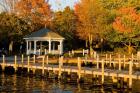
(35, 47)
(44, 35)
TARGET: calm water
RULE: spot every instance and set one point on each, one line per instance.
(24, 84)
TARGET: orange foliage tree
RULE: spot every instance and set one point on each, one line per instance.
(127, 26)
(91, 21)
(34, 11)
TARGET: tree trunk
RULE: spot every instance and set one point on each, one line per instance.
(129, 48)
(90, 45)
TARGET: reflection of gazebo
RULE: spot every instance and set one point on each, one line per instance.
(44, 41)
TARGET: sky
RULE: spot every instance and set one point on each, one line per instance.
(61, 4)
(57, 4)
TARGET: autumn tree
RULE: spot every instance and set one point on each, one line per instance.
(91, 21)
(64, 23)
(127, 27)
(12, 28)
(36, 12)
(112, 6)
(116, 4)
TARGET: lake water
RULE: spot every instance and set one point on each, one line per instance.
(25, 84)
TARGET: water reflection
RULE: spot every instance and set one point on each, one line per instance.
(26, 84)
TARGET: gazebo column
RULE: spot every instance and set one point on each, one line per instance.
(35, 47)
(49, 45)
(61, 47)
(27, 47)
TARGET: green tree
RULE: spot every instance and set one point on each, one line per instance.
(12, 28)
(64, 23)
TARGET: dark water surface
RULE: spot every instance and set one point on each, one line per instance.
(25, 84)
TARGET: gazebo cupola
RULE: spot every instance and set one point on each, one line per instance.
(44, 41)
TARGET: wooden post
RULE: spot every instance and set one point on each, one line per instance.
(79, 68)
(97, 62)
(69, 53)
(125, 79)
(60, 65)
(124, 61)
(3, 63)
(47, 60)
(114, 80)
(83, 52)
(87, 51)
(34, 65)
(22, 59)
(69, 71)
(119, 62)
(33, 70)
(102, 71)
(15, 66)
(45, 51)
(130, 74)
(34, 59)
(39, 52)
(43, 61)
(28, 64)
(73, 52)
(110, 60)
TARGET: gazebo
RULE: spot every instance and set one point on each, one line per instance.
(44, 41)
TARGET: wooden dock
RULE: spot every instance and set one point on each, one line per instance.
(45, 63)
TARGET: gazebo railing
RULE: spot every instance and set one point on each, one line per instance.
(43, 52)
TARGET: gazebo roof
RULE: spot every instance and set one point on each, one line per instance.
(43, 33)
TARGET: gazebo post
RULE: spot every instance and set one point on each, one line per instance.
(49, 45)
(27, 46)
(35, 47)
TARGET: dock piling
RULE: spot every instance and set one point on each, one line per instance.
(110, 59)
(60, 65)
(34, 59)
(79, 67)
(102, 71)
(130, 74)
(119, 62)
(47, 60)
(43, 61)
